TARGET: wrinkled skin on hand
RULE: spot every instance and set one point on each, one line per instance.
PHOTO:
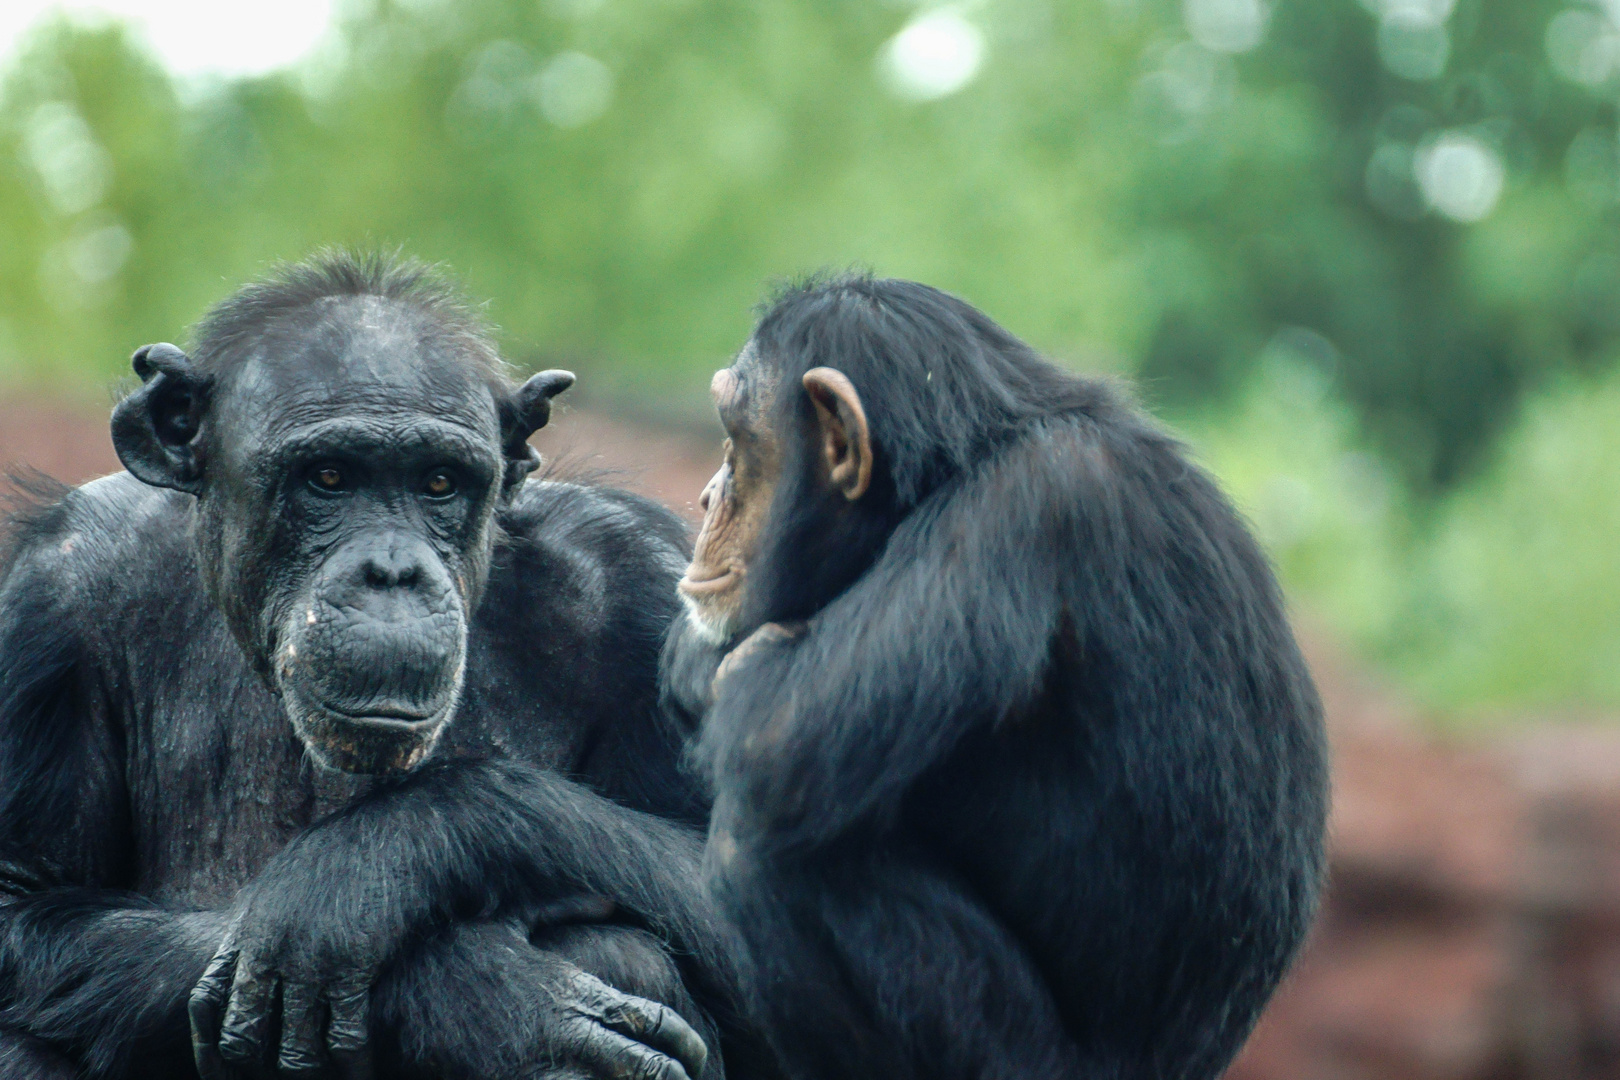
(263, 979)
(289, 987)
(261, 982)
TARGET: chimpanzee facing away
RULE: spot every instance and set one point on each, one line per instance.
(328, 520)
(1018, 770)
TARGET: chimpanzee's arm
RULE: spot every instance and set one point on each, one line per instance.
(950, 630)
(98, 974)
(452, 842)
(686, 672)
(103, 977)
(885, 967)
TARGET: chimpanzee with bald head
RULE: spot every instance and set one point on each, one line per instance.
(330, 737)
(1018, 770)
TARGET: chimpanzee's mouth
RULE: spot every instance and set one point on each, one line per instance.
(720, 581)
(399, 719)
(369, 742)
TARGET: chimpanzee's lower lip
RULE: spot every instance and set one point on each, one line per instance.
(404, 724)
(719, 583)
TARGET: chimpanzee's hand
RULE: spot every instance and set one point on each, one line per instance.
(479, 999)
(283, 996)
(592, 1030)
(767, 635)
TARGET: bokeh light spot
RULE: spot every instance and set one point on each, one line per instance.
(74, 168)
(573, 89)
(1413, 49)
(1229, 26)
(933, 56)
(1412, 12)
(1583, 47)
(1461, 177)
(98, 255)
(1392, 185)
(193, 37)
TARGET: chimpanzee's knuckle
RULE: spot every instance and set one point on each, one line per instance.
(652, 1065)
(238, 1047)
(205, 996)
(300, 1061)
(348, 1029)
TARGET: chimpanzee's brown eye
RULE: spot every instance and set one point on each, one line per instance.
(439, 485)
(326, 478)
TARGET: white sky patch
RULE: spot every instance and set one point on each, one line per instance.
(192, 37)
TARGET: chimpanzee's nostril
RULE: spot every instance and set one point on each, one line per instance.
(391, 563)
(379, 574)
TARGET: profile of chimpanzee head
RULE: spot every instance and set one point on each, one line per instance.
(349, 432)
(853, 399)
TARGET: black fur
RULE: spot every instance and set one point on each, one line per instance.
(1040, 789)
(154, 799)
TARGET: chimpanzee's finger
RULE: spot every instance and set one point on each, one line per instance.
(303, 1051)
(205, 1008)
(611, 1056)
(649, 1022)
(245, 1037)
(349, 1029)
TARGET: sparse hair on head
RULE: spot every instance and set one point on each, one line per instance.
(221, 339)
(942, 383)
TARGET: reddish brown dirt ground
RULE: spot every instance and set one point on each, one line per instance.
(1472, 927)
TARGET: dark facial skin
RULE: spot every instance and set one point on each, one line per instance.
(366, 483)
(737, 500)
(345, 525)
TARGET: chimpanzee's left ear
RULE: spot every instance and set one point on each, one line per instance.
(846, 441)
(524, 413)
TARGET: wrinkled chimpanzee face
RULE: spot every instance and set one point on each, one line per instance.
(345, 526)
(738, 500)
(348, 464)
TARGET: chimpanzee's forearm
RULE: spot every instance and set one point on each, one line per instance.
(103, 977)
(686, 670)
(461, 839)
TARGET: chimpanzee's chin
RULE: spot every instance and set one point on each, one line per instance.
(366, 745)
(713, 623)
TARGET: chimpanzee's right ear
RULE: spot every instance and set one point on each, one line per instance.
(526, 412)
(155, 429)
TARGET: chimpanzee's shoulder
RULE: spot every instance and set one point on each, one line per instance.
(611, 524)
(591, 565)
(95, 533)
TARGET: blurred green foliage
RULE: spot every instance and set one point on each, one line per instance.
(1343, 242)
(1502, 597)
(1517, 595)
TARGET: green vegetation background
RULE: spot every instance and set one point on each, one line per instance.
(1419, 413)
